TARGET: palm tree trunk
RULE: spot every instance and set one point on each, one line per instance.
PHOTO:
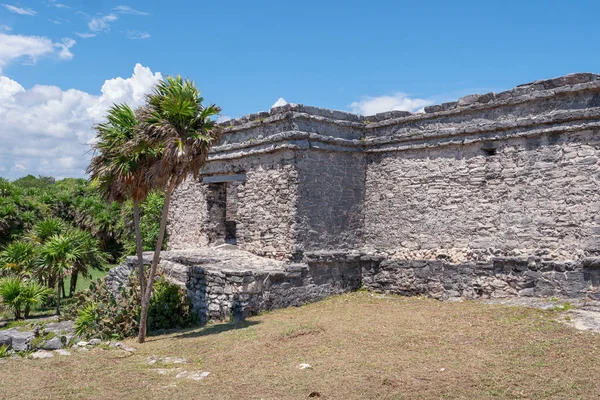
(73, 283)
(62, 287)
(155, 259)
(60, 283)
(138, 245)
(27, 310)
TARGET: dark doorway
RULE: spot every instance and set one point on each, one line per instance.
(222, 203)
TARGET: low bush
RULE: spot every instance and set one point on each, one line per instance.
(169, 307)
(99, 313)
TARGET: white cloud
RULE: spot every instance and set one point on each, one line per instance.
(279, 103)
(47, 131)
(14, 47)
(396, 102)
(19, 10)
(129, 10)
(65, 46)
(53, 3)
(86, 35)
(5, 28)
(137, 35)
(100, 24)
(58, 21)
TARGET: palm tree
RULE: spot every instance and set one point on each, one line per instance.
(119, 172)
(40, 234)
(10, 290)
(33, 294)
(47, 228)
(18, 294)
(176, 121)
(18, 258)
(58, 256)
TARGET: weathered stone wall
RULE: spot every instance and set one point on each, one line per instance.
(264, 206)
(331, 189)
(188, 223)
(219, 294)
(499, 277)
(534, 196)
(266, 210)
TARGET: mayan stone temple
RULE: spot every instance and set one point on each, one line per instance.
(493, 195)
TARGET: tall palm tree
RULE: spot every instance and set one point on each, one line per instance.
(58, 256)
(175, 121)
(119, 172)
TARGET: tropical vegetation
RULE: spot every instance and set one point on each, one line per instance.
(55, 233)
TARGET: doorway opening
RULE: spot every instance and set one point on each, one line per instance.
(222, 202)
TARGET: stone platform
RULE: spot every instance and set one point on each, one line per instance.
(224, 282)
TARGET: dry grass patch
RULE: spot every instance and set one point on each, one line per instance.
(358, 347)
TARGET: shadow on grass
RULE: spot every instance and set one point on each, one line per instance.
(215, 329)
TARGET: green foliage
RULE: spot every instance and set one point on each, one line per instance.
(21, 296)
(10, 291)
(169, 307)
(98, 313)
(34, 209)
(4, 351)
(18, 258)
(33, 294)
(85, 323)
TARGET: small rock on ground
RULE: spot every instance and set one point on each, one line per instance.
(127, 348)
(42, 354)
(166, 360)
(62, 352)
(195, 376)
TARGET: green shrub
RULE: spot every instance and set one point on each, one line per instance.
(98, 313)
(169, 307)
(85, 323)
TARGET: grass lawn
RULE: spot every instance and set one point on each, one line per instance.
(359, 347)
(84, 283)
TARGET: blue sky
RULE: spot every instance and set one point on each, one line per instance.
(349, 55)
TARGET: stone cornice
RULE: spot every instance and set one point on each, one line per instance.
(565, 104)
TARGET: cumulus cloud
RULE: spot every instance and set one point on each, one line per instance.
(5, 28)
(19, 10)
(396, 102)
(129, 10)
(279, 103)
(137, 35)
(14, 47)
(47, 131)
(100, 24)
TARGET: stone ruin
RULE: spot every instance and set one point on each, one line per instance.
(493, 195)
